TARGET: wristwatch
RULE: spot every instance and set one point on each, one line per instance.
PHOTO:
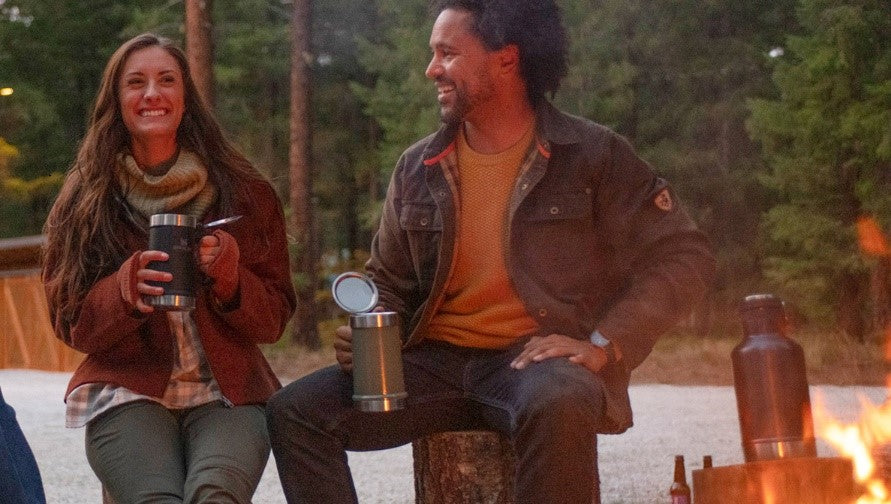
(600, 341)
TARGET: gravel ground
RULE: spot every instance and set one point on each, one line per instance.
(635, 467)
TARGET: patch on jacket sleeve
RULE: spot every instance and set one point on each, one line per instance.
(663, 200)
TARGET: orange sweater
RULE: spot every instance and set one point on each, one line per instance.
(481, 308)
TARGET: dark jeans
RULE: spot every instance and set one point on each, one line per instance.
(19, 476)
(144, 453)
(550, 410)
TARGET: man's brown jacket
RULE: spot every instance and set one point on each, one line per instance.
(594, 240)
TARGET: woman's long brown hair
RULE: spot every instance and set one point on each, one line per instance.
(83, 227)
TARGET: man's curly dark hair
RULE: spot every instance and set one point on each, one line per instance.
(535, 26)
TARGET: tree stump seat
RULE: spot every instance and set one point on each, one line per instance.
(464, 467)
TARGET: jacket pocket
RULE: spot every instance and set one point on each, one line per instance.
(561, 206)
(420, 217)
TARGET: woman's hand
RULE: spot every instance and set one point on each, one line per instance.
(134, 274)
(218, 256)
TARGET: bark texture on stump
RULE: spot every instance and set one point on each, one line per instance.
(473, 467)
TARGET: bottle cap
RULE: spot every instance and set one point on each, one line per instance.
(763, 313)
(354, 292)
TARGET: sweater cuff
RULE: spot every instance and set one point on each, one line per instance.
(127, 280)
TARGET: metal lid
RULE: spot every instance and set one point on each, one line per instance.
(172, 219)
(354, 292)
(763, 314)
(761, 301)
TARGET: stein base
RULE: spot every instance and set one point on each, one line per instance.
(778, 449)
(380, 404)
(171, 302)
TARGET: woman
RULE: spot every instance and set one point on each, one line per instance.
(172, 401)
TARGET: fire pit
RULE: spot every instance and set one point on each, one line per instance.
(802, 480)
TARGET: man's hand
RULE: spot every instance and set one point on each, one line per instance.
(343, 347)
(558, 345)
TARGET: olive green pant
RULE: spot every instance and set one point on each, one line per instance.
(143, 452)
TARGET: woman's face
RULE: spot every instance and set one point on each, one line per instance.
(151, 95)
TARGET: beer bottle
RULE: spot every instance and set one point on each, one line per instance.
(679, 491)
(706, 461)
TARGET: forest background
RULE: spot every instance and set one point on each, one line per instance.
(772, 120)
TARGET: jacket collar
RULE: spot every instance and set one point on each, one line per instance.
(554, 127)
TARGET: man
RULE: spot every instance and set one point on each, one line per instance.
(533, 258)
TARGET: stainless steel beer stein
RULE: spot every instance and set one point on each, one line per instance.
(378, 383)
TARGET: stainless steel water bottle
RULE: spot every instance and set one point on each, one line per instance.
(175, 234)
(378, 383)
(770, 381)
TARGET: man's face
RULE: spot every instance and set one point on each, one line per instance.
(460, 67)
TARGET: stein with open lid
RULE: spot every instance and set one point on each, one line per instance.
(378, 383)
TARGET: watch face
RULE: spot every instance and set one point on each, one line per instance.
(599, 340)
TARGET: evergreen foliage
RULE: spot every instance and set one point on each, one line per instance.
(681, 79)
(826, 139)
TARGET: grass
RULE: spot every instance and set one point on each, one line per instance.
(677, 359)
(830, 360)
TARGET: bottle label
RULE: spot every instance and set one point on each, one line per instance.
(680, 499)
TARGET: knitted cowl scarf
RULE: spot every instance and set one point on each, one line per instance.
(185, 188)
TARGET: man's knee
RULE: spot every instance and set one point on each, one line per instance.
(565, 405)
(308, 401)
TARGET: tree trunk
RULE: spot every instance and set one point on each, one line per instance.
(199, 47)
(305, 328)
(880, 289)
(850, 306)
(464, 467)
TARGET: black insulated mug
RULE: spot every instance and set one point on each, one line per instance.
(177, 235)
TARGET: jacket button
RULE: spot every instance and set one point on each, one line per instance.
(587, 190)
(554, 210)
(424, 221)
(542, 312)
(525, 186)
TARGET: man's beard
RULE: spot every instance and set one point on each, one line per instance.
(464, 101)
(455, 113)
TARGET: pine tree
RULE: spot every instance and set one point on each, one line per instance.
(828, 142)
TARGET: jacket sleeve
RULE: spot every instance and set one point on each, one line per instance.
(667, 262)
(391, 263)
(104, 318)
(265, 298)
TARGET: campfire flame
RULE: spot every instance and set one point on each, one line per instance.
(863, 440)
